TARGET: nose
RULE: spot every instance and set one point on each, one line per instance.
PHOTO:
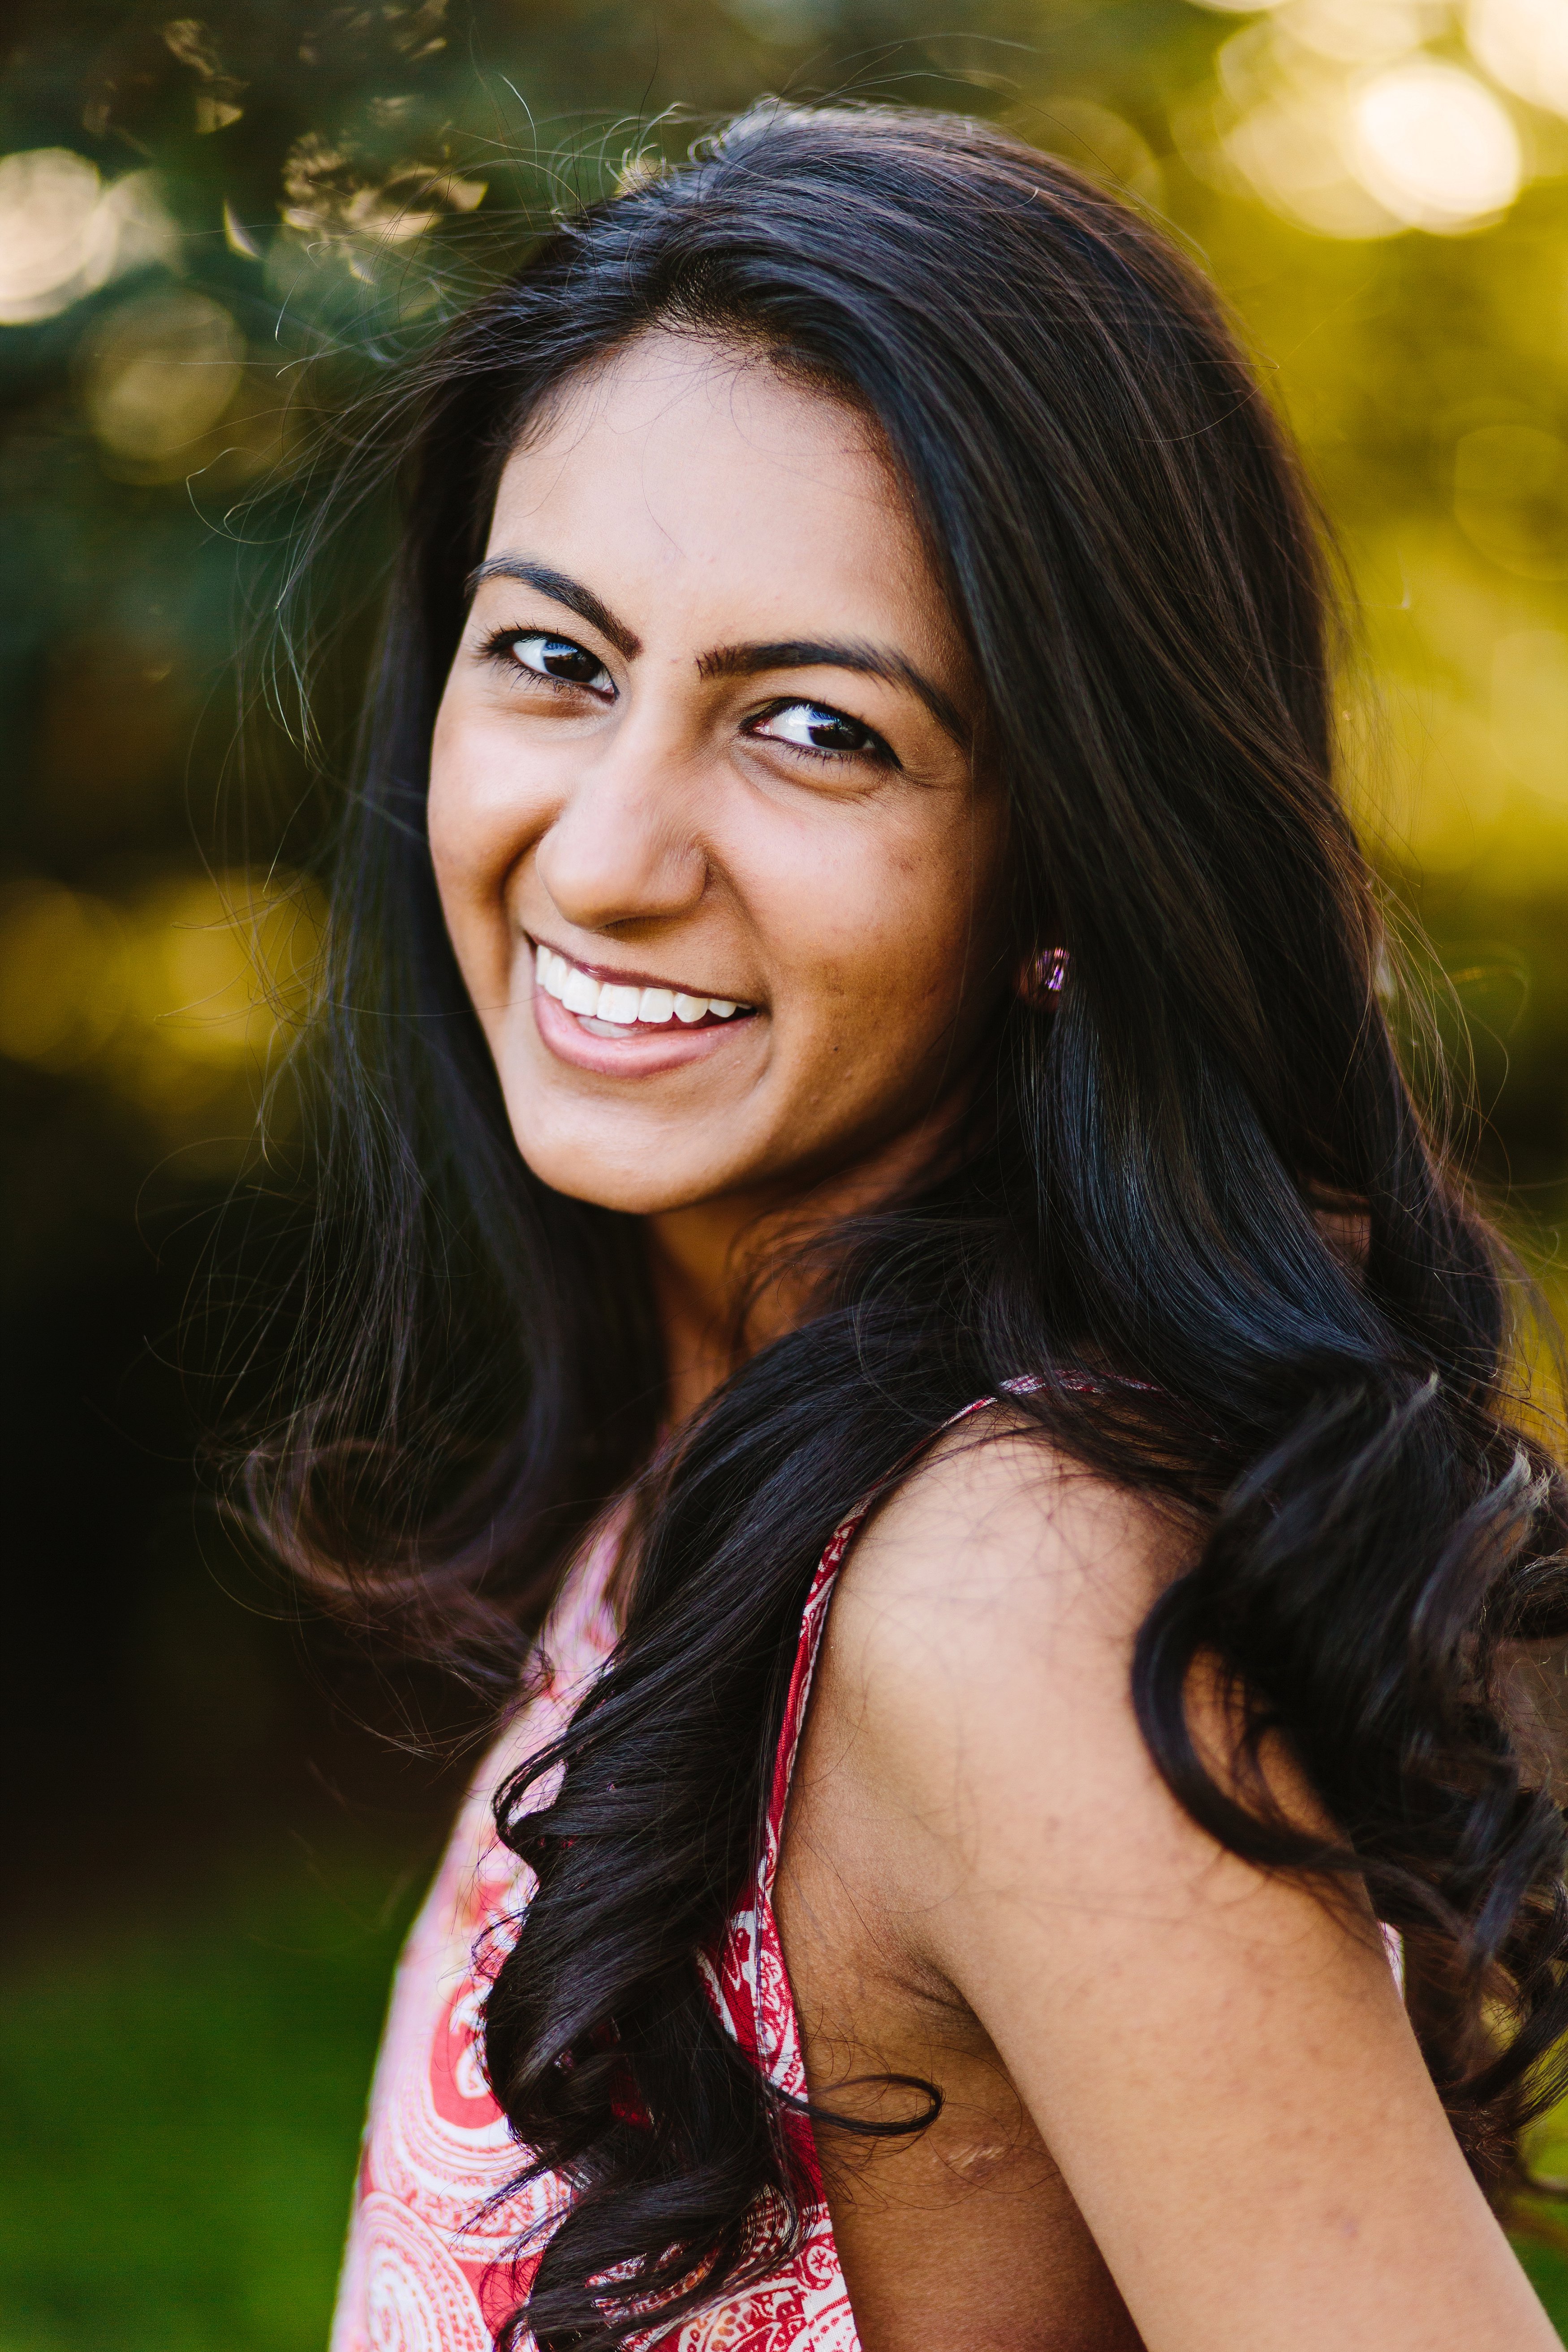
(623, 848)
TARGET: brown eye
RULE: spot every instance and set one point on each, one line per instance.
(559, 657)
(816, 727)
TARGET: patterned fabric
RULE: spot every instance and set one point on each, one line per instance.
(426, 2268)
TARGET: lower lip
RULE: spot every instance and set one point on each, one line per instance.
(642, 1055)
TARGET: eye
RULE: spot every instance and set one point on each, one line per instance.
(543, 655)
(816, 727)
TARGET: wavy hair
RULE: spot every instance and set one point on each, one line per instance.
(1162, 1164)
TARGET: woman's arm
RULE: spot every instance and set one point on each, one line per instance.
(1221, 2067)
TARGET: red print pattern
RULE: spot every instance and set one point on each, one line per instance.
(427, 2266)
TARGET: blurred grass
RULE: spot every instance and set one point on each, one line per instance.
(1544, 2253)
(180, 2107)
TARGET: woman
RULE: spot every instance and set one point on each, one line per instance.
(867, 1082)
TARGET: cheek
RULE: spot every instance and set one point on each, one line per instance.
(891, 945)
(445, 812)
(475, 842)
(455, 817)
(488, 804)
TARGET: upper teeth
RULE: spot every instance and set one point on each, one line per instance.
(609, 1000)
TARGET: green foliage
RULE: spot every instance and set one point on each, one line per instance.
(180, 2104)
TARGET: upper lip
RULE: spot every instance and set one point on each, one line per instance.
(619, 978)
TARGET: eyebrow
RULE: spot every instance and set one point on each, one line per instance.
(561, 590)
(831, 653)
(732, 661)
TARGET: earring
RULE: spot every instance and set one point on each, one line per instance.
(1042, 975)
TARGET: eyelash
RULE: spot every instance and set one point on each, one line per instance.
(874, 749)
(503, 642)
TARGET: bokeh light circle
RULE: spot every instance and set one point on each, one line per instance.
(159, 373)
(1435, 146)
(1523, 44)
(55, 240)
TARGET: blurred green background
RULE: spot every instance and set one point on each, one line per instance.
(214, 230)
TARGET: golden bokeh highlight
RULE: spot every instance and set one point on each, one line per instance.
(63, 971)
(1523, 45)
(184, 994)
(1363, 118)
(63, 234)
(1434, 146)
(158, 373)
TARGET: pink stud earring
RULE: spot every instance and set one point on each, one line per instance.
(1043, 974)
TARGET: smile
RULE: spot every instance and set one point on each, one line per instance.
(612, 1008)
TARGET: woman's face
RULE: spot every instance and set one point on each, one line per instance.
(720, 878)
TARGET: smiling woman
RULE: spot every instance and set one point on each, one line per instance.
(880, 1287)
(723, 889)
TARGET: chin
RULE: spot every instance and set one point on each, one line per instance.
(639, 1186)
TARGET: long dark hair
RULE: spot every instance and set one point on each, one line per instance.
(1200, 1166)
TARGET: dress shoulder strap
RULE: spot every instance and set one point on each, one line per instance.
(814, 1617)
(744, 1971)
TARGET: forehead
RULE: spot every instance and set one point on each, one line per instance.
(692, 470)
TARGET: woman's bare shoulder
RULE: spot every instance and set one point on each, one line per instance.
(1143, 1987)
(976, 1682)
(998, 1539)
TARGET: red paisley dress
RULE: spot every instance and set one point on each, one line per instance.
(427, 2267)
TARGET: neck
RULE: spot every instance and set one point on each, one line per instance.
(725, 1272)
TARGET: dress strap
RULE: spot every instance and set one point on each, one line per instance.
(744, 1972)
(814, 1617)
